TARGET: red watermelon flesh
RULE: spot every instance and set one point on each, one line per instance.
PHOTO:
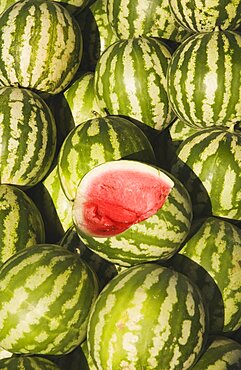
(117, 198)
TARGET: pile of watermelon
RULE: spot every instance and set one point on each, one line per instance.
(120, 185)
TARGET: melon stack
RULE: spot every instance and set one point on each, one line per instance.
(120, 178)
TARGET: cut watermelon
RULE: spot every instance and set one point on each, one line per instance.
(118, 194)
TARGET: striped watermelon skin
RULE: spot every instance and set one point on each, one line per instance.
(143, 18)
(57, 287)
(203, 79)
(204, 16)
(27, 363)
(157, 237)
(21, 223)
(97, 141)
(27, 137)
(212, 259)
(81, 99)
(222, 353)
(130, 80)
(40, 46)
(148, 317)
(208, 164)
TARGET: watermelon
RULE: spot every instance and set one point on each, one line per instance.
(222, 353)
(208, 164)
(205, 16)
(27, 363)
(40, 46)
(27, 137)
(81, 99)
(131, 212)
(147, 317)
(130, 80)
(115, 196)
(212, 259)
(21, 223)
(46, 293)
(204, 77)
(138, 18)
(96, 141)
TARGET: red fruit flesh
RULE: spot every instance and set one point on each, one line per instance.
(118, 199)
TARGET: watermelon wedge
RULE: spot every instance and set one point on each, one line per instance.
(118, 194)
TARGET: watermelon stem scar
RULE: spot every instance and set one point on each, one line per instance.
(118, 194)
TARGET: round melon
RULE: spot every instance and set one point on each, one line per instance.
(208, 164)
(97, 141)
(131, 212)
(46, 293)
(205, 16)
(27, 137)
(147, 317)
(21, 223)
(203, 79)
(40, 46)
(211, 258)
(130, 80)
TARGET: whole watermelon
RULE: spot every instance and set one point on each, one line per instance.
(40, 46)
(130, 80)
(208, 164)
(204, 77)
(212, 259)
(27, 137)
(147, 317)
(46, 294)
